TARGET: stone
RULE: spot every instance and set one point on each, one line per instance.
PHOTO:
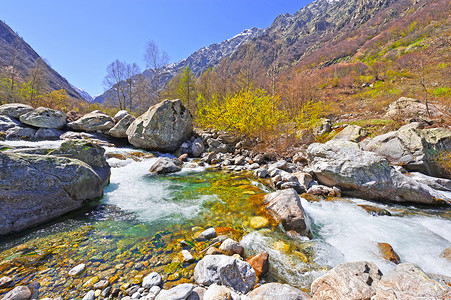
(37, 188)
(441, 184)
(77, 270)
(410, 108)
(179, 292)
(261, 173)
(324, 127)
(225, 270)
(43, 117)
(101, 284)
(285, 207)
(260, 263)
(352, 133)
(304, 179)
(197, 293)
(213, 251)
(89, 295)
(217, 292)
(183, 157)
(20, 133)
(322, 190)
(151, 280)
(197, 148)
(352, 280)
(15, 110)
(165, 165)
(95, 121)
(230, 247)
(20, 292)
(187, 257)
(374, 210)
(364, 174)
(5, 281)
(300, 158)
(408, 281)
(387, 252)
(7, 122)
(216, 146)
(293, 185)
(413, 148)
(120, 129)
(446, 254)
(47, 134)
(162, 128)
(120, 115)
(274, 290)
(259, 222)
(88, 152)
(106, 292)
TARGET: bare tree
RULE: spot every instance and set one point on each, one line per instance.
(114, 82)
(155, 60)
(37, 80)
(131, 70)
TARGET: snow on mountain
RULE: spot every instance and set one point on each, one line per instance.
(83, 93)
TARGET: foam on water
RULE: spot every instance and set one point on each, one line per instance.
(41, 144)
(355, 234)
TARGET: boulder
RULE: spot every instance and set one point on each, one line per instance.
(7, 122)
(95, 121)
(20, 133)
(88, 152)
(230, 247)
(405, 108)
(364, 174)
(197, 148)
(274, 290)
(179, 292)
(441, 184)
(353, 280)
(323, 127)
(285, 207)
(20, 292)
(15, 110)
(217, 292)
(47, 134)
(166, 165)
(37, 188)
(408, 281)
(162, 128)
(119, 130)
(413, 148)
(225, 270)
(151, 280)
(216, 146)
(43, 117)
(352, 133)
(120, 115)
(197, 293)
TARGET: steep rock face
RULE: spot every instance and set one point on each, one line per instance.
(36, 188)
(14, 51)
(162, 128)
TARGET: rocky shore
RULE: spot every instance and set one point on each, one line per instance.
(399, 167)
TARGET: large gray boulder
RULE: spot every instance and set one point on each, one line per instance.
(166, 165)
(20, 133)
(414, 148)
(15, 110)
(37, 188)
(47, 134)
(408, 281)
(274, 290)
(43, 117)
(404, 108)
(225, 270)
(120, 129)
(7, 122)
(285, 207)
(353, 280)
(95, 121)
(88, 152)
(365, 174)
(162, 128)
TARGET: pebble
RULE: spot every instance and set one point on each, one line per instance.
(101, 284)
(259, 222)
(89, 296)
(79, 269)
(208, 234)
(187, 257)
(151, 280)
(231, 247)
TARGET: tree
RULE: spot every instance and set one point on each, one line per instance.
(36, 82)
(131, 70)
(186, 87)
(114, 82)
(155, 60)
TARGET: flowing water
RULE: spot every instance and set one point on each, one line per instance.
(143, 222)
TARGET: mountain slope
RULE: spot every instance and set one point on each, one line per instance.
(15, 51)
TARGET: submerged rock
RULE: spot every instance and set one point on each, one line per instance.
(387, 252)
(43, 117)
(37, 188)
(285, 207)
(408, 281)
(227, 271)
(77, 270)
(274, 290)
(162, 128)
(5, 282)
(353, 280)
(365, 174)
(18, 293)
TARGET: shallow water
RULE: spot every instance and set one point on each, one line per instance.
(138, 225)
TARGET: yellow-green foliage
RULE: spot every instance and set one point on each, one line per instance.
(311, 113)
(252, 112)
(442, 92)
(444, 160)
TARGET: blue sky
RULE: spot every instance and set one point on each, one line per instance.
(80, 38)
